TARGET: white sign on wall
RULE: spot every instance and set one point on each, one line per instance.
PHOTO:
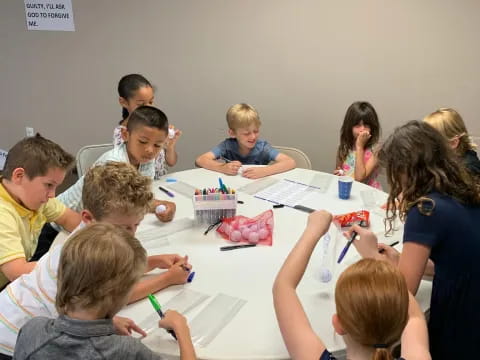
(54, 15)
(3, 157)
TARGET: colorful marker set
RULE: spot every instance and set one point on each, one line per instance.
(213, 204)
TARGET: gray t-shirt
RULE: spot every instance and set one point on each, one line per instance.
(66, 338)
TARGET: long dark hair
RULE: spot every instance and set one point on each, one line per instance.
(128, 86)
(419, 161)
(360, 111)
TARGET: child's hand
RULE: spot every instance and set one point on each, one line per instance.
(164, 261)
(171, 142)
(362, 139)
(390, 254)
(173, 321)
(178, 273)
(231, 168)
(125, 326)
(254, 172)
(367, 244)
(169, 213)
(338, 172)
(319, 222)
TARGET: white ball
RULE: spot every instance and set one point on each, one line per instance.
(325, 275)
(227, 229)
(245, 233)
(263, 233)
(160, 209)
(253, 227)
(253, 237)
(171, 133)
(235, 236)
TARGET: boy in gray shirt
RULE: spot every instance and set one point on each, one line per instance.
(98, 267)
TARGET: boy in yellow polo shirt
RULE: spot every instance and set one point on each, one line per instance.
(33, 169)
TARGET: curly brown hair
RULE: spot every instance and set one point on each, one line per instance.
(116, 187)
(419, 161)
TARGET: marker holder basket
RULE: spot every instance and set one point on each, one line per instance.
(208, 209)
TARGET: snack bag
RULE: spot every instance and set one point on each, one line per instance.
(258, 230)
(347, 220)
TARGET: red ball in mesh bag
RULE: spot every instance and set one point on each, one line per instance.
(257, 230)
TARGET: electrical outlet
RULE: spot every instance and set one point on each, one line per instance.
(29, 131)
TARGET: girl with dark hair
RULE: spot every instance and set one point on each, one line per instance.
(134, 90)
(359, 134)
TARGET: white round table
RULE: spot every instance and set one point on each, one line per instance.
(249, 273)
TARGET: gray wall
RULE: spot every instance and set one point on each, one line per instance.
(301, 63)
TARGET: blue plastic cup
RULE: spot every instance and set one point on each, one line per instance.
(344, 187)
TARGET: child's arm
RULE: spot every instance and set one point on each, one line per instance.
(170, 153)
(413, 263)
(13, 269)
(282, 163)
(177, 322)
(69, 220)
(176, 275)
(298, 335)
(415, 334)
(362, 169)
(208, 161)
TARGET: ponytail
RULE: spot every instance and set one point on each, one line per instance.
(124, 113)
(381, 352)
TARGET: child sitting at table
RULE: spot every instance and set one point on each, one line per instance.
(374, 307)
(440, 205)
(144, 137)
(245, 148)
(113, 193)
(450, 124)
(358, 136)
(99, 266)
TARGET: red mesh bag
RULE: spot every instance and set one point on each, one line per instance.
(258, 230)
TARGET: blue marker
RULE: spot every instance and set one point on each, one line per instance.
(363, 223)
(191, 276)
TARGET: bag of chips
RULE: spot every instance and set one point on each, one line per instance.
(347, 220)
(258, 230)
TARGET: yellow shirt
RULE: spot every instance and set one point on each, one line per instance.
(20, 227)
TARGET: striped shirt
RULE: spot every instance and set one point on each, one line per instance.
(72, 197)
(30, 295)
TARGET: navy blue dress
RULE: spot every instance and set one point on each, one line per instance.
(452, 233)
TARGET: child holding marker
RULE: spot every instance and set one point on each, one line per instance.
(245, 148)
(144, 138)
(359, 134)
(134, 90)
(440, 205)
(98, 268)
(113, 193)
(373, 307)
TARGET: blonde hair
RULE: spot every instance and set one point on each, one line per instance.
(98, 267)
(242, 116)
(116, 187)
(372, 305)
(450, 124)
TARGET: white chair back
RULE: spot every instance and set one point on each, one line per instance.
(87, 155)
(299, 156)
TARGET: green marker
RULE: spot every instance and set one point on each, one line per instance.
(158, 309)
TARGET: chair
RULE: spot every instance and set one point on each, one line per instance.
(301, 159)
(87, 155)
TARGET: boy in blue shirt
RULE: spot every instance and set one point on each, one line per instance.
(245, 148)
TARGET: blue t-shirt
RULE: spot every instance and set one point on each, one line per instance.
(262, 154)
(452, 234)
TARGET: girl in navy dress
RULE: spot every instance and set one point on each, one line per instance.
(440, 204)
